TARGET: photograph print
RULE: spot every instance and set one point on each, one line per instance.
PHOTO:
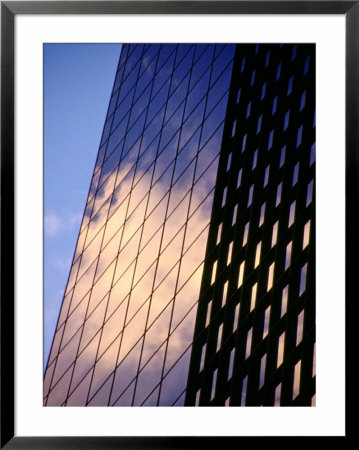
(190, 279)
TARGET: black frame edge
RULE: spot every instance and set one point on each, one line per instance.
(181, 7)
(150, 442)
(351, 186)
(7, 227)
(8, 12)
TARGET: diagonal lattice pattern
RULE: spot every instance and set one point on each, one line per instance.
(125, 328)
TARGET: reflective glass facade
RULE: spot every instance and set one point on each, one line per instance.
(193, 278)
(125, 329)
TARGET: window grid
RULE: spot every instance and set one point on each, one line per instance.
(138, 96)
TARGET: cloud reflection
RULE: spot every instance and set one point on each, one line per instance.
(154, 268)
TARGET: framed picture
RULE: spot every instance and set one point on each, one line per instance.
(251, 268)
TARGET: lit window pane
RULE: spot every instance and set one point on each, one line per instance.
(229, 162)
(299, 135)
(234, 219)
(209, 309)
(241, 273)
(263, 91)
(284, 301)
(288, 255)
(270, 140)
(275, 234)
(295, 174)
(249, 343)
(230, 251)
(231, 360)
(261, 218)
(239, 179)
(254, 296)
(280, 349)
(219, 337)
(258, 254)
(250, 195)
(286, 120)
(302, 100)
(294, 52)
(245, 234)
(282, 156)
(266, 322)
(306, 234)
(279, 194)
(238, 96)
(270, 277)
(224, 295)
(244, 143)
(274, 107)
(224, 198)
(309, 193)
(236, 316)
(248, 109)
(277, 394)
(214, 272)
(266, 177)
(253, 77)
(290, 85)
(291, 214)
(197, 397)
(244, 391)
(219, 233)
(262, 370)
(214, 381)
(300, 321)
(296, 381)
(312, 155)
(303, 279)
(234, 128)
(203, 355)
(255, 156)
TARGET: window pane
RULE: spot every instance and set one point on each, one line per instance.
(241, 273)
(284, 301)
(266, 321)
(296, 381)
(249, 343)
(270, 277)
(280, 349)
(306, 234)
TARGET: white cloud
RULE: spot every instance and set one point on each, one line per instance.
(74, 219)
(53, 225)
(56, 223)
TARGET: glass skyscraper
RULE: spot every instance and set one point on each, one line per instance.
(192, 282)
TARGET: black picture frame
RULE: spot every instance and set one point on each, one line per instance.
(9, 9)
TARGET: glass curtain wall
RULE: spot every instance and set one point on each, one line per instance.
(125, 329)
